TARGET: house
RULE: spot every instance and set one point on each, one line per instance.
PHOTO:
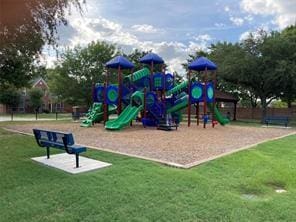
(49, 101)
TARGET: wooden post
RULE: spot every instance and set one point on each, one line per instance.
(105, 103)
(93, 92)
(151, 75)
(234, 111)
(119, 90)
(197, 113)
(214, 99)
(144, 102)
(205, 96)
(189, 98)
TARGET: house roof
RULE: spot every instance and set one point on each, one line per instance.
(37, 80)
(225, 97)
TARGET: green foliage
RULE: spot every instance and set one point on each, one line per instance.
(25, 27)
(287, 65)
(10, 96)
(138, 190)
(279, 104)
(35, 95)
(80, 68)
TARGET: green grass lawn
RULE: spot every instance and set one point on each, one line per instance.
(239, 187)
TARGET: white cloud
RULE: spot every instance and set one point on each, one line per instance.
(144, 28)
(255, 33)
(204, 37)
(236, 21)
(282, 10)
(244, 35)
(87, 29)
(226, 9)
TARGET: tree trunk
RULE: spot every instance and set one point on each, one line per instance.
(289, 103)
(264, 108)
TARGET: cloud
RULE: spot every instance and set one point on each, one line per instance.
(88, 29)
(226, 9)
(144, 28)
(236, 21)
(282, 10)
(203, 37)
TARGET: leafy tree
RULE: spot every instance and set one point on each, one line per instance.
(79, 69)
(287, 65)
(252, 65)
(10, 97)
(35, 96)
(25, 27)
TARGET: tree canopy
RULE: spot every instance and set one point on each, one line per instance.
(263, 66)
(25, 27)
(80, 68)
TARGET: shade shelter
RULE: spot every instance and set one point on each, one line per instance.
(201, 64)
(119, 63)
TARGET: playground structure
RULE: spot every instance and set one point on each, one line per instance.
(154, 98)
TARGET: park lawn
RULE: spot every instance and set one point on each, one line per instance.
(239, 187)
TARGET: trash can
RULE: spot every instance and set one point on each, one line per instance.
(76, 113)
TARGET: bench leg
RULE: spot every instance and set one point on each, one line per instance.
(47, 152)
(77, 159)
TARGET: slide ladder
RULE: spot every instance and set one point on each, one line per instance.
(96, 114)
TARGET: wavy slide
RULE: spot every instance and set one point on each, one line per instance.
(128, 114)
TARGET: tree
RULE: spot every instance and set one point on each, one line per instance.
(25, 27)
(35, 96)
(287, 66)
(252, 65)
(10, 97)
(79, 69)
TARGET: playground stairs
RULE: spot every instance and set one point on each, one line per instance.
(167, 124)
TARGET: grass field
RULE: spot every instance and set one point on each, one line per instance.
(239, 187)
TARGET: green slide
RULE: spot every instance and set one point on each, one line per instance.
(137, 75)
(128, 114)
(219, 117)
(177, 88)
(180, 104)
(96, 114)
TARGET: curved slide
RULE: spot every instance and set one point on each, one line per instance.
(180, 104)
(128, 114)
(219, 117)
(96, 114)
(183, 103)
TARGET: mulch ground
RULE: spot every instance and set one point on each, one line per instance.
(185, 147)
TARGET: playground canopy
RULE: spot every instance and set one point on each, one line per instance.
(120, 61)
(151, 57)
(201, 64)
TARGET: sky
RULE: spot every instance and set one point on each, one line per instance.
(171, 28)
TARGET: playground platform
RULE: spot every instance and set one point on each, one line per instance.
(185, 148)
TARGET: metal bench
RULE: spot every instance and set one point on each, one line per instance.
(277, 120)
(58, 140)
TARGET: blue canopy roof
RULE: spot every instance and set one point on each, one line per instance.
(151, 57)
(201, 63)
(121, 61)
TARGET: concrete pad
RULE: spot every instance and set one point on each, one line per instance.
(66, 162)
(277, 126)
